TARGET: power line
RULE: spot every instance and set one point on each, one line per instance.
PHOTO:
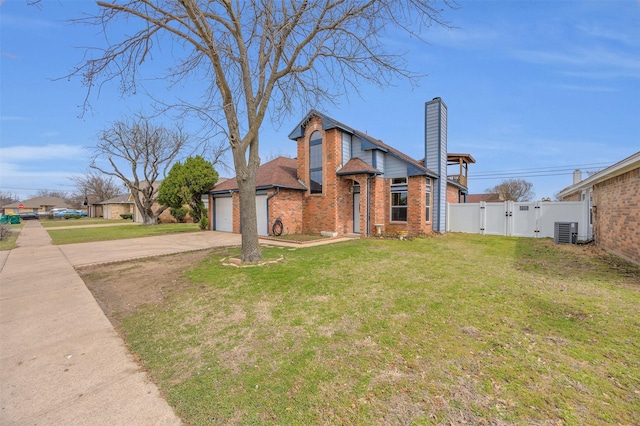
(518, 175)
(550, 169)
(535, 172)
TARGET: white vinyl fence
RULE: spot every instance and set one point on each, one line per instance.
(523, 219)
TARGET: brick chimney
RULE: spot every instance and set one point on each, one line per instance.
(435, 158)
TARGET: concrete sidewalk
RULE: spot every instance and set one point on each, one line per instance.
(61, 361)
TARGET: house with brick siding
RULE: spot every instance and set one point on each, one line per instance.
(614, 206)
(344, 181)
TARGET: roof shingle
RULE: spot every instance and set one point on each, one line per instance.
(280, 172)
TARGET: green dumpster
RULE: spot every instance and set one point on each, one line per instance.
(15, 219)
(4, 219)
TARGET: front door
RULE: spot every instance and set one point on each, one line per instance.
(356, 213)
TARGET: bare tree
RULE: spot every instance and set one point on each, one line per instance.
(139, 153)
(513, 190)
(7, 198)
(259, 56)
(54, 193)
(95, 187)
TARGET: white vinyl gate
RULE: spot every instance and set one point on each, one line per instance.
(522, 219)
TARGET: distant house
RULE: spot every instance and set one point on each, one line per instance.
(613, 196)
(114, 207)
(487, 198)
(124, 204)
(344, 181)
(35, 205)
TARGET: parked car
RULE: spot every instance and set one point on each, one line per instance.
(70, 212)
(51, 213)
(28, 216)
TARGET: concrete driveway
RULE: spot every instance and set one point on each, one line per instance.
(83, 254)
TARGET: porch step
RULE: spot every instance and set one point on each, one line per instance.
(352, 235)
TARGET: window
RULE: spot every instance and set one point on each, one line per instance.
(428, 201)
(399, 201)
(315, 162)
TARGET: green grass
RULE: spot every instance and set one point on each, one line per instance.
(83, 235)
(10, 242)
(54, 223)
(297, 238)
(445, 330)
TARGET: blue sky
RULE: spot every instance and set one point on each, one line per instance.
(533, 89)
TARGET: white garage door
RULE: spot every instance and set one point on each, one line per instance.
(224, 214)
(261, 213)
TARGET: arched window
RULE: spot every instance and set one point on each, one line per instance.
(315, 162)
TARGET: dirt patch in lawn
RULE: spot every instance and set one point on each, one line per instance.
(121, 288)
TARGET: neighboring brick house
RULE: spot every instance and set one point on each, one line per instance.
(614, 195)
(124, 204)
(114, 207)
(344, 181)
(487, 198)
(35, 205)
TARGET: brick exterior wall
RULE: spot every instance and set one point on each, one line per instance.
(286, 206)
(416, 208)
(321, 212)
(116, 210)
(573, 197)
(453, 194)
(167, 217)
(333, 209)
(416, 211)
(236, 212)
(617, 215)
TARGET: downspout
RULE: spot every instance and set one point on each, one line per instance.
(268, 198)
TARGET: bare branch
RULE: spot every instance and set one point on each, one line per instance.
(256, 57)
(148, 150)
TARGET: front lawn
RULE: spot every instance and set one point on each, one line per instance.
(456, 329)
(54, 223)
(9, 242)
(84, 235)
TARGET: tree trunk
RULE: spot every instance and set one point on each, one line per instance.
(246, 171)
(248, 220)
(149, 219)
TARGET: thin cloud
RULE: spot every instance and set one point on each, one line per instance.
(586, 88)
(18, 23)
(40, 153)
(588, 61)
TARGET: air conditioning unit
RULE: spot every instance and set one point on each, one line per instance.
(565, 233)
